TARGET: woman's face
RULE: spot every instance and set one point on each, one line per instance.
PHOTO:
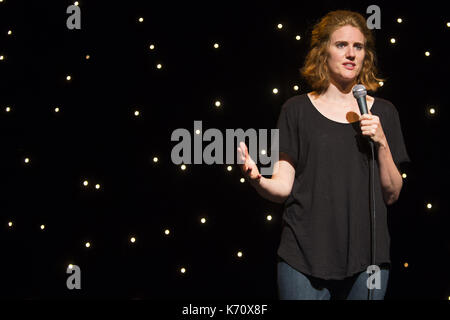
(346, 54)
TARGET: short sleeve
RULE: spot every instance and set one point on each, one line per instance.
(288, 130)
(395, 139)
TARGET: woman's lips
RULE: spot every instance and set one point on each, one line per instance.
(349, 66)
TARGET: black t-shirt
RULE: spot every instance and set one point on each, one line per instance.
(326, 218)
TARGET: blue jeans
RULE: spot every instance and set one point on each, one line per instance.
(294, 285)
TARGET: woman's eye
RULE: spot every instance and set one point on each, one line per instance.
(340, 45)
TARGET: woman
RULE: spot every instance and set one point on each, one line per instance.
(322, 176)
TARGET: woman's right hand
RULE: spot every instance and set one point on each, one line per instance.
(248, 168)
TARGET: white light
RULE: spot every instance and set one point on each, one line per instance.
(217, 103)
(10, 224)
(427, 53)
(152, 47)
(202, 220)
(448, 24)
(393, 40)
(242, 180)
(183, 167)
(85, 183)
(42, 227)
(275, 90)
(167, 232)
(68, 78)
(296, 88)
(136, 113)
(155, 159)
(429, 205)
(263, 151)
(216, 45)
(88, 244)
(399, 20)
(229, 168)
(381, 83)
(279, 26)
(56, 109)
(141, 19)
(8, 109)
(269, 217)
(183, 270)
(9, 32)
(97, 186)
(159, 66)
(239, 254)
(27, 160)
(70, 266)
(133, 239)
(404, 175)
(88, 57)
(432, 111)
(2, 57)
(297, 37)
(76, 3)
(197, 131)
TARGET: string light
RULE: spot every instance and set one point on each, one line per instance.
(203, 220)
(393, 40)
(197, 131)
(217, 103)
(42, 226)
(56, 109)
(97, 186)
(269, 217)
(275, 90)
(152, 47)
(141, 19)
(85, 183)
(2, 57)
(9, 32)
(239, 254)
(183, 270)
(155, 159)
(429, 205)
(216, 46)
(183, 167)
(432, 111)
(242, 180)
(263, 152)
(167, 232)
(427, 53)
(399, 20)
(132, 239)
(406, 264)
(381, 83)
(88, 57)
(296, 88)
(68, 78)
(229, 168)
(88, 244)
(10, 224)
(404, 175)
(159, 66)
(26, 160)
(136, 113)
(280, 26)
(7, 109)
(297, 37)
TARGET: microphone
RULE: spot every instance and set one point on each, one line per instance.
(359, 92)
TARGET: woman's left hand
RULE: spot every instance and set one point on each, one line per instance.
(371, 126)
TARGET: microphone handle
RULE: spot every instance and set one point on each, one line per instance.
(362, 104)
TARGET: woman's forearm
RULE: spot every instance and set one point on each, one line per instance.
(390, 178)
(274, 190)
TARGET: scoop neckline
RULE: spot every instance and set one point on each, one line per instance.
(343, 123)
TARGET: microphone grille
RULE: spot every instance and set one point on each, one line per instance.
(359, 91)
